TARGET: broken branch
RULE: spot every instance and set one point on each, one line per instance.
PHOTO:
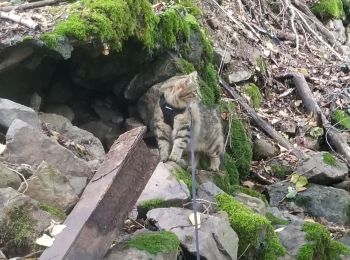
(30, 5)
(19, 19)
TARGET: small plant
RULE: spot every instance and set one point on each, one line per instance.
(155, 242)
(60, 214)
(342, 119)
(329, 159)
(254, 94)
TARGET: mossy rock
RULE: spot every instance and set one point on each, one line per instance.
(147, 205)
(155, 242)
(253, 92)
(59, 213)
(328, 9)
(329, 159)
(252, 229)
(239, 145)
(320, 244)
(280, 170)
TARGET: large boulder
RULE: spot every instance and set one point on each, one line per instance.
(49, 186)
(317, 200)
(27, 145)
(9, 111)
(9, 178)
(217, 240)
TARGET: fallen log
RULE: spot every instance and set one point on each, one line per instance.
(93, 224)
(336, 141)
(261, 123)
(30, 5)
(19, 19)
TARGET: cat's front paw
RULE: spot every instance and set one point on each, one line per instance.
(180, 162)
(163, 157)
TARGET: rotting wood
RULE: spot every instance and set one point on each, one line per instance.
(30, 5)
(93, 224)
(336, 140)
(261, 123)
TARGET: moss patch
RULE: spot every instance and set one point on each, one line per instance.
(60, 214)
(251, 228)
(148, 205)
(155, 242)
(328, 9)
(250, 192)
(254, 94)
(281, 171)
(341, 118)
(320, 244)
(276, 220)
(239, 146)
(18, 227)
(329, 159)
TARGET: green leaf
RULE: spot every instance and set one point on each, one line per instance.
(291, 194)
(294, 178)
(302, 181)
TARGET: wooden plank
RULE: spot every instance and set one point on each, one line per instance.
(95, 220)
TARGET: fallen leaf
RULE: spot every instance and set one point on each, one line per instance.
(279, 229)
(301, 182)
(300, 189)
(192, 220)
(56, 229)
(294, 178)
(45, 240)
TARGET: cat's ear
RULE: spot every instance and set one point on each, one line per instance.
(194, 75)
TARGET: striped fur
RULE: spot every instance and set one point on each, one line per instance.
(181, 92)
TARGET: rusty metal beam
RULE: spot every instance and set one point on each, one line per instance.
(94, 222)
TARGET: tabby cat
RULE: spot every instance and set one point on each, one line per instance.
(167, 106)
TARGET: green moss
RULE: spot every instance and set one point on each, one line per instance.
(53, 211)
(254, 94)
(155, 242)
(152, 204)
(320, 244)
(210, 92)
(27, 38)
(346, 6)
(185, 176)
(276, 220)
(185, 67)
(231, 169)
(239, 146)
(281, 171)
(190, 6)
(18, 227)
(251, 228)
(250, 192)
(329, 159)
(328, 9)
(341, 118)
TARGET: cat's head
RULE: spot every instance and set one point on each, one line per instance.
(183, 91)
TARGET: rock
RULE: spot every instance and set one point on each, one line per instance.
(60, 92)
(213, 23)
(292, 238)
(92, 144)
(25, 169)
(9, 111)
(285, 215)
(132, 122)
(49, 186)
(105, 131)
(239, 76)
(289, 128)
(256, 204)
(338, 30)
(35, 101)
(39, 220)
(160, 70)
(164, 188)
(345, 185)
(308, 142)
(319, 201)
(27, 145)
(215, 232)
(2, 256)
(120, 251)
(318, 170)
(63, 110)
(8, 178)
(107, 112)
(263, 149)
(208, 191)
(219, 55)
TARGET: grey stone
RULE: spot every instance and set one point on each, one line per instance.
(27, 145)
(35, 101)
(263, 149)
(256, 204)
(9, 111)
(131, 123)
(317, 200)
(215, 232)
(8, 178)
(317, 171)
(221, 56)
(338, 30)
(238, 76)
(292, 238)
(49, 186)
(208, 191)
(2, 256)
(25, 169)
(92, 144)
(63, 110)
(163, 186)
(106, 112)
